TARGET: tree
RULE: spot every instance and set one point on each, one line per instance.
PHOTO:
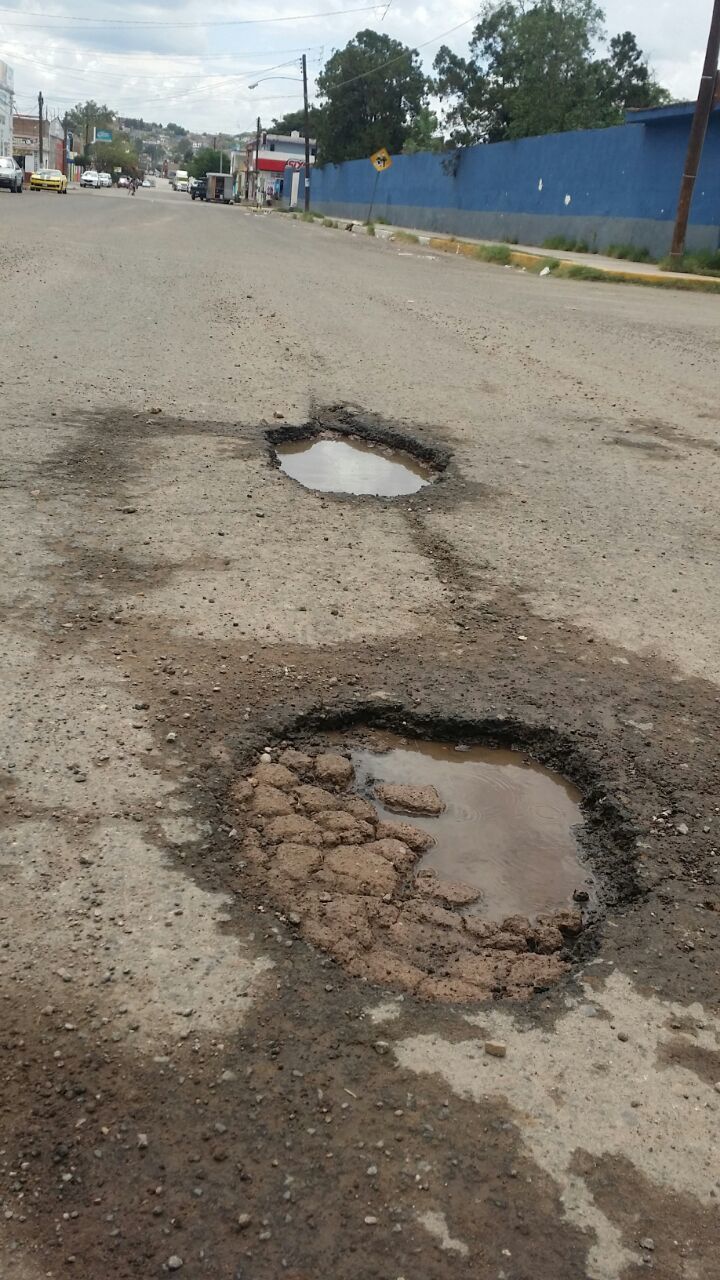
(533, 69)
(121, 153)
(206, 160)
(294, 122)
(86, 116)
(177, 129)
(372, 89)
(628, 80)
(423, 134)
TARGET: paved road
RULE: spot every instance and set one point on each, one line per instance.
(185, 1078)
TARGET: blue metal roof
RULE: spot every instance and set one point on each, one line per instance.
(661, 115)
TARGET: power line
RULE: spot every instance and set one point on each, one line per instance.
(50, 67)
(146, 22)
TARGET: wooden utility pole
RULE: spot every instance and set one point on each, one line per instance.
(307, 134)
(257, 155)
(40, 129)
(698, 129)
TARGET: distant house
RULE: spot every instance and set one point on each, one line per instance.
(276, 150)
(26, 144)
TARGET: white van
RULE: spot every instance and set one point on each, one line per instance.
(180, 181)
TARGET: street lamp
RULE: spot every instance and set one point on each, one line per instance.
(306, 121)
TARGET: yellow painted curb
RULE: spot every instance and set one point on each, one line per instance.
(569, 269)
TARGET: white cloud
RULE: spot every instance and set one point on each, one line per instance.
(199, 74)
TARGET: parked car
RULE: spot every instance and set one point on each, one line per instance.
(49, 180)
(123, 181)
(104, 180)
(148, 182)
(199, 191)
(11, 175)
(90, 178)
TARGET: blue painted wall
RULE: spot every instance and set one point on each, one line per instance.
(602, 185)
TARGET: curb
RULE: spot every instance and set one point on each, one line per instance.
(497, 253)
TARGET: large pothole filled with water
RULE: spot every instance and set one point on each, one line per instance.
(451, 872)
(330, 464)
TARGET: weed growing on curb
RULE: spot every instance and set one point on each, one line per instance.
(493, 253)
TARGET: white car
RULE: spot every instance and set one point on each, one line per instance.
(90, 178)
(104, 180)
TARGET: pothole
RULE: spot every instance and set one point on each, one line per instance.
(331, 464)
(507, 827)
(453, 874)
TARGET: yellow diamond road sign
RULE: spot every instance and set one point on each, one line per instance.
(381, 160)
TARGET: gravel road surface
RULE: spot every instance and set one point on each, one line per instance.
(188, 1083)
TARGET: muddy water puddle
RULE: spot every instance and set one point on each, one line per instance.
(352, 466)
(507, 827)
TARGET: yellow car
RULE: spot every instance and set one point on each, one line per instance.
(49, 180)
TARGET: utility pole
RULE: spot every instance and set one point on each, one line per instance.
(40, 129)
(65, 143)
(307, 133)
(698, 129)
(257, 154)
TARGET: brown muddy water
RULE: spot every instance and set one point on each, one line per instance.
(352, 466)
(507, 826)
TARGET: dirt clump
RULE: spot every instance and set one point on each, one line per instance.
(348, 880)
(334, 769)
(403, 798)
(413, 837)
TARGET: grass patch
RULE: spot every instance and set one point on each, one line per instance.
(370, 228)
(328, 222)
(566, 243)
(309, 217)
(407, 237)
(498, 253)
(703, 262)
(578, 271)
(630, 252)
(383, 222)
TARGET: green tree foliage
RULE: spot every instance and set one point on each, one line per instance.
(177, 129)
(424, 133)
(295, 121)
(121, 153)
(133, 122)
(372, 89)
(83, 118)
(533, 68)
(206, 160)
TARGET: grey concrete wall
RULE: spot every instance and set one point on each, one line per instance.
(524, 228)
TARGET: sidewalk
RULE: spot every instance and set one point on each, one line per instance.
(521, 255)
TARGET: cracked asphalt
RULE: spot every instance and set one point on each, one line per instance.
(187, 1084)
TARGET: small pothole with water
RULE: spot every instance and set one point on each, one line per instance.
(453, 872)
(334, 464)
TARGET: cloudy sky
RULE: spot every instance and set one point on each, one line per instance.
(192, 61)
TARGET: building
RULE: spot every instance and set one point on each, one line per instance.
(6, 109)
(275, 153)
(26, 148)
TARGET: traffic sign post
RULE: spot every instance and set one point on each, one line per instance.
(380, 161)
